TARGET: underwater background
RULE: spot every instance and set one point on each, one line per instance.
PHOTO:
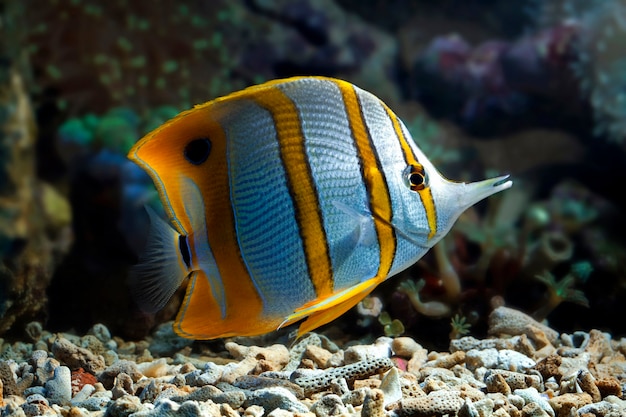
(529, 88)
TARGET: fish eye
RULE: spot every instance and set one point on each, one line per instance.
(197, 151)
(416, 177)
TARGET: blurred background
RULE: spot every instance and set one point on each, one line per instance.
(536, 89)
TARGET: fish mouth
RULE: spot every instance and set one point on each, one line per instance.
(477, 191)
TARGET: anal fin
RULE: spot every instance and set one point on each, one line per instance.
(323, 311)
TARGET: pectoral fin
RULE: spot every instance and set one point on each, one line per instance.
(323, 311)
(162, 268)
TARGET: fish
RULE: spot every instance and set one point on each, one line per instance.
(287, 201)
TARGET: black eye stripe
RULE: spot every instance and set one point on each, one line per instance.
(198, 150)
(416, 177)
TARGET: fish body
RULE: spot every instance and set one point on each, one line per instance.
(288, 200)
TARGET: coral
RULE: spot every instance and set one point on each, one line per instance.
(321, 381)
(599, 63)
(392, 328)
(460, 326)
(369, 308)
(558, 292)
(435, 403)
(427, 308)
(180, 54)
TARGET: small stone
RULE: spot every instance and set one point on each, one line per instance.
(165, 342)
(548, 367)
(319, 355)
(122, 386)
(516, 380)
(391, 386)
(124, 406)
(484, 407)
(511, 360)
(36, 405)
(358, 353)
(83, 394)
(251, 358)
(275, 397)
(497, 383)
(447, 361)
(329, 405)
(76, 357)
(405, 347)
(507, 321)
(563, 404)
(107, 377)
(154, 369)
(609, 386)
(101, 332)
(374, 404)
(535, 410)
(34, 329)
(97, 402)
(254, 411)
(59, 388)
(587, 384)
(532, 396)
(487, 358)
